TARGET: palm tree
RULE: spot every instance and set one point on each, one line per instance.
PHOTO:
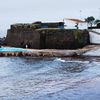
(90, 20)
(96, 21)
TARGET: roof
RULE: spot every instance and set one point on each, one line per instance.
(75, 20)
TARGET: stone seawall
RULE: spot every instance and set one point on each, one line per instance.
(63, 39)
(19, 38)
(50, 38)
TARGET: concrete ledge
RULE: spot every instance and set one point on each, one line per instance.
(93, 51)
(45, 53)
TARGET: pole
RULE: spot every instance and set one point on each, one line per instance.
(81, 17)
(80, 14)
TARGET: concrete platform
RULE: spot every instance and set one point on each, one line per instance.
(90, 50)
(44, 52)
(93, 50)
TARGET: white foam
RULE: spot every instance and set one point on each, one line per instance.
(59, 59)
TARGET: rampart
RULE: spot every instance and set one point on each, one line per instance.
(36, 37)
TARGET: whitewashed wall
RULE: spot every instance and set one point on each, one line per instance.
(95, 38)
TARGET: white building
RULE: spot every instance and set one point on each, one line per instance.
(95, 34)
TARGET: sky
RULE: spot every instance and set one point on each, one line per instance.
(29, 11)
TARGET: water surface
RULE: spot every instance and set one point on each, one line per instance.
(49, 78)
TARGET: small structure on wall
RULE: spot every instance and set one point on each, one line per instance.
(75, 23)
(38, 25)
(50, 24)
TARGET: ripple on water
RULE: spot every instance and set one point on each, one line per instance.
(49, 78)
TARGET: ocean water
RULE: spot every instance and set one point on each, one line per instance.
(49, 78)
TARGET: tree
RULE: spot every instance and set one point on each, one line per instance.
(90, 20)
(96, 21)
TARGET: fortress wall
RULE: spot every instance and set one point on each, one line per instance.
(63, 38)
(22, 38)
(50, 38)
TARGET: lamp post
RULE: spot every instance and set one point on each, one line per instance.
(80, 18)
(80, 14)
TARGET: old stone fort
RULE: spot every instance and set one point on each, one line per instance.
(40, 35)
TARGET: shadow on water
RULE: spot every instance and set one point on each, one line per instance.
(73, 67)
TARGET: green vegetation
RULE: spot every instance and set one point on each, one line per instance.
(36, 26)
(96, 21)
(90, 20)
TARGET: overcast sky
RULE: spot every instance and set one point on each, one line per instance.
(28, 11)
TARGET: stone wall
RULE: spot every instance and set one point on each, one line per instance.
(48, 38)
(22, 38)
(63, 39)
